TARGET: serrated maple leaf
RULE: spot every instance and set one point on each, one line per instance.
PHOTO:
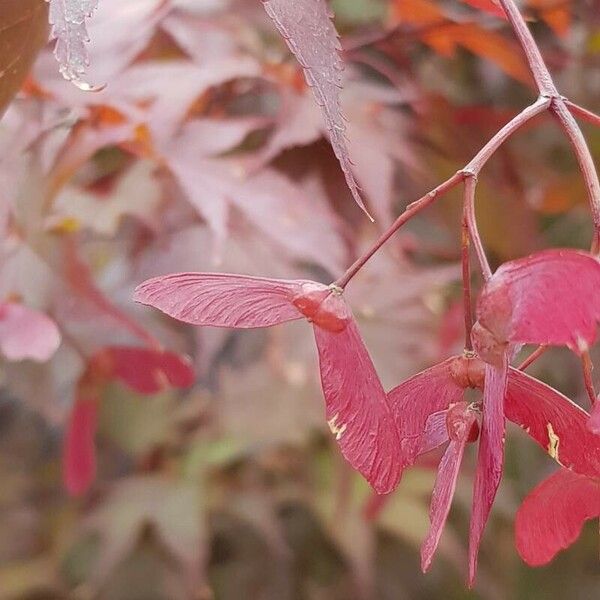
(356, 405)
(552, 515)
(68, 20)
(310, 34)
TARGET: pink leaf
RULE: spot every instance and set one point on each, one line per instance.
(460, 419)
(551, 517)
(490, 458)
(79, 452)
(356, 406)
(67, 18)
(145, 370)
(310, 34)
(548, 298)
(223, 300)
(26, 333)
(414, 400)
(554, 422)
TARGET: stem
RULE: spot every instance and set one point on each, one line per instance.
(481, 158)
(546, 87)
(587, 366)
(532, 357)
(409, 213)
(466, 277)
(539, 70)
(471, 169)
(586, 163)
(469, 212)
(583, 113)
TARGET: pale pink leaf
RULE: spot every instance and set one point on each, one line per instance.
(79, 451)
(435, 433)
(27, 333)
(223, 300)
(558, 425)
(81, 281)
(460, 419)
(309, 32)
(68, 20)
(552, 515)
(356, 407)
(490, 458)
(548, 298)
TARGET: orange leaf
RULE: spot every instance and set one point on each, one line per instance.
(419, 12)
(484, 43)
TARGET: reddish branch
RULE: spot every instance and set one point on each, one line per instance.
(532, 357)
(583, 113)
(547, 88)
(466, 277)
(549, 99)
(470, 171)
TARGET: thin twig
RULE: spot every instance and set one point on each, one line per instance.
(583, 113)
(586, 163)
(469, 211)
(528, 113)
(588, 366)
(466, 277)
(538, 67)
(409, 213)
(547, 88)
(532, 357)
(473, 168)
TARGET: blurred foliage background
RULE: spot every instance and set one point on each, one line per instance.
(206, 152)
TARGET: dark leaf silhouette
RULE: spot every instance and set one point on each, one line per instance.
(23, 32)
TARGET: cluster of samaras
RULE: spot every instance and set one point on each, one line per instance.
(547, 299)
